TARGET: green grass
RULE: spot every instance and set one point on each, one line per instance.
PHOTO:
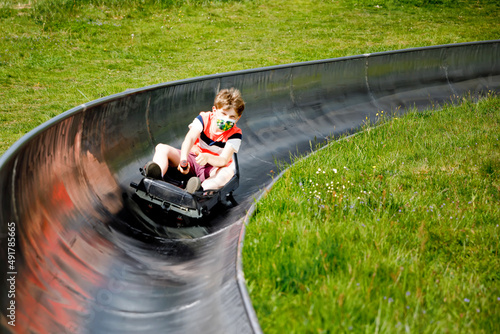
(395, 229)
(57, 54)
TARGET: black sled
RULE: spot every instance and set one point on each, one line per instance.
(170, 197)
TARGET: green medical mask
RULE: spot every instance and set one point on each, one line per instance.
(225, 123)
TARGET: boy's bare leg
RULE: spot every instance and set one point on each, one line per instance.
(219, 179)
(166, 155)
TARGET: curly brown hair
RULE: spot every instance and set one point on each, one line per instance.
(230, 98)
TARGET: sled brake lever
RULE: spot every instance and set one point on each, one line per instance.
(184, 164)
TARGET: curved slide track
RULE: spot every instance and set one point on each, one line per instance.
(85, 261)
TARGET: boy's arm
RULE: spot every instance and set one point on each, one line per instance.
(216, 160)
(188, 143)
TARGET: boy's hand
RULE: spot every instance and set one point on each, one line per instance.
(202, 159)
(183, 167)
(196, 150)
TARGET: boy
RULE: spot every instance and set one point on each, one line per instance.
(208, 148)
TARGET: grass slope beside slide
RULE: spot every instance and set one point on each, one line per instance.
(393, 230)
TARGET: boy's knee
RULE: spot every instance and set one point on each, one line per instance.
(226, 174)
(218, 180)
(159, 147)
(162, 148)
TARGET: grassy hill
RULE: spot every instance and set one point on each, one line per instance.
(393, 230)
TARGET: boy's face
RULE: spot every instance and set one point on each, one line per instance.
(229, 113)
(226, 118)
